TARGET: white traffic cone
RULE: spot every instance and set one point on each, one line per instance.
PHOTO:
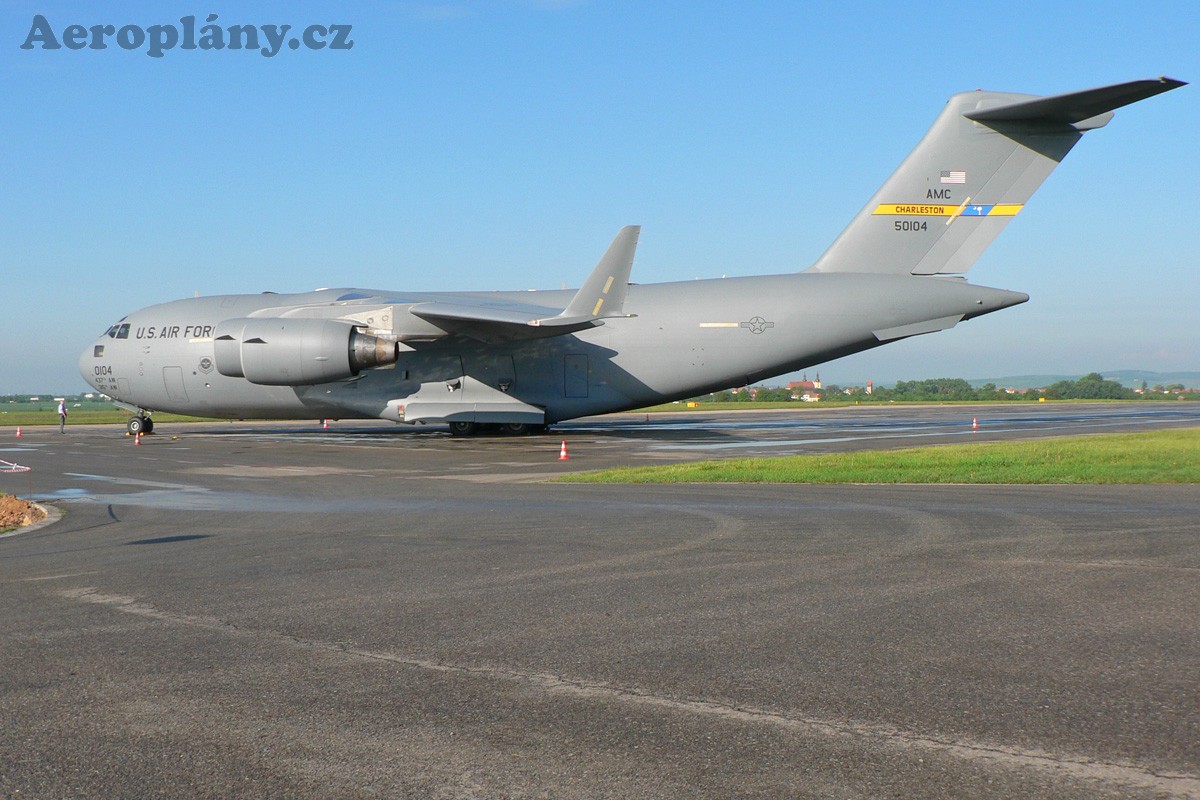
(562, 453)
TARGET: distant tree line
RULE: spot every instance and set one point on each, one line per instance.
(1092, 386)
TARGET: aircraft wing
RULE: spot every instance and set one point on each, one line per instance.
(496, 321)
(602, 295)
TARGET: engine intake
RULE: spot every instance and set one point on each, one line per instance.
(282, 351)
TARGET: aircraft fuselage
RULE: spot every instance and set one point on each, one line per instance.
(679, 340)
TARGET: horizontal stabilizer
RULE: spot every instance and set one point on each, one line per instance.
(1074, 107)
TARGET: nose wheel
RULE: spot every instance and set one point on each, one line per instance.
(139, 424)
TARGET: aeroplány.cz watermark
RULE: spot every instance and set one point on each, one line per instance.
(158, 39)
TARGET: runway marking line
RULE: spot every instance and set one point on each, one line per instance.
(1173, 785)
(56, 577)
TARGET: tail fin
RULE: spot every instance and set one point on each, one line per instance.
(985, 155)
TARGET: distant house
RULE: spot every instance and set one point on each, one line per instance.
(806, 390)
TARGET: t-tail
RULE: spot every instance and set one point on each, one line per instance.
(984, 157)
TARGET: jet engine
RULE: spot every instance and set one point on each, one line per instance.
(281, 351)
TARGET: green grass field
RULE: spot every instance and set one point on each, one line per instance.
(842, 402)
(1171, 456)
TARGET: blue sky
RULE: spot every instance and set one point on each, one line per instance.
(500, 145)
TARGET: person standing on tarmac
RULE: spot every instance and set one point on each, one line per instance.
(62, 416)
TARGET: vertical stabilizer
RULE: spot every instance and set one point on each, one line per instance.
(984, 157)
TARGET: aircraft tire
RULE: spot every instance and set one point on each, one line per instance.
(136, 425)
(516, 428)
(464, 428)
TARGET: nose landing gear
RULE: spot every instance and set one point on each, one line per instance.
(140, 424)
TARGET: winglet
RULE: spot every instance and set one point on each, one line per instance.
(603, 293)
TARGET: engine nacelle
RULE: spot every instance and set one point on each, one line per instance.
(285, 351)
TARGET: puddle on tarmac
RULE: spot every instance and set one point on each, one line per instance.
(198, 498)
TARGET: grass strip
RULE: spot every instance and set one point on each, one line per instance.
(1166, 456)
(842, 403)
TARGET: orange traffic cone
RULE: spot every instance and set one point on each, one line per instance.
(137, 440)
(18, 431)
(562, 453)
(324, 424)
(974, 423)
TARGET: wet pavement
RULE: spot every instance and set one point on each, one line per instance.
(245, 610)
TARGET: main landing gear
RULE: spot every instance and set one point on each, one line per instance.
(139, 424)
(459, 428)
(464, 428)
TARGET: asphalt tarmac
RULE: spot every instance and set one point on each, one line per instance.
(278, 610)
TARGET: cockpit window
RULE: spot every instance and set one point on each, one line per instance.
(123, 331)
(111, 332)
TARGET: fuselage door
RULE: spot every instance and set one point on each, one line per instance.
(173, 379)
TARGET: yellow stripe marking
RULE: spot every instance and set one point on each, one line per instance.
(964, 210)
(608, 283)
(599, 303)
(913, 210)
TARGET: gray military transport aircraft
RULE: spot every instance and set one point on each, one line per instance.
(520, 361)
